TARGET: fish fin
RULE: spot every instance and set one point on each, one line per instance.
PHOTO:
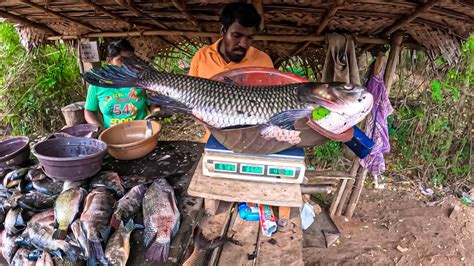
(104, 233)
(96, 250)
(114, 222)
(60, 234)
(158, 252)
(138, 226)
(286, 119)
(57, 253)
(130, 226)
(112, 76)
(169, 103)
(148, 236)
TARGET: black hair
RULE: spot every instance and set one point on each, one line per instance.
(243, 13)
(116, 47)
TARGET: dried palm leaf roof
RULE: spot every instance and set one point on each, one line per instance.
(289, 27)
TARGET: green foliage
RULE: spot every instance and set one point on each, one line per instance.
(36, 85)
(430, 132)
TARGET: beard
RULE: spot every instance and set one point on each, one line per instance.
(237, 57)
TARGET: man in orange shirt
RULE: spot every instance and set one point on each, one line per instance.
(239, 23)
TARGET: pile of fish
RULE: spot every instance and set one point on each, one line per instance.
(82, 221)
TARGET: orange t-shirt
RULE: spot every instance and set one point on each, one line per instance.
(208, 62)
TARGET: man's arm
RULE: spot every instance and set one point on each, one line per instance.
(92, 107)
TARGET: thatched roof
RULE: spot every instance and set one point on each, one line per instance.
(289, 27)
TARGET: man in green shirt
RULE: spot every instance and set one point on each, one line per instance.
(116, 105)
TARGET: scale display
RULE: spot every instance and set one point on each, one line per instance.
(252, 169)
(288, 172)
(225, 167)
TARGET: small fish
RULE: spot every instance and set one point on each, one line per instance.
(41, 237)
(35, 174)
(161, 217)
(14, 177)
(45, 260)
(48, 186)
(45, 217)
(15, 221)
(109, 180)
(36, 201)
(128, 206)
(9, 247)
(80, 236)
(66, 208)
(118, 246)
(95, 221)
(202, 247)
(21, 258)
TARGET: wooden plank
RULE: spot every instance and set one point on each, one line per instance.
(286, 248)
(246, 233)
(351, 206)
(337, 197)
(244, 191)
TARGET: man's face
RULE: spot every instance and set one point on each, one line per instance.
(236, 41)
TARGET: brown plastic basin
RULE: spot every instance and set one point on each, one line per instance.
(127, 141)
(71, 159)
(14, 151)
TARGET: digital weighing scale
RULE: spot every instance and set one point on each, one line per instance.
(287, 166)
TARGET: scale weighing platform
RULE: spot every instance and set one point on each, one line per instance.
(287, 166)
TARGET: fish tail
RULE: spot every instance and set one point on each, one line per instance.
(96, 252)
(158, 252)
(60, 234)
(113, 76)
(115, 222)
(129, 226)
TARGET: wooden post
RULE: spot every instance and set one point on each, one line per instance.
(355, 195)
(395, 48)
(350, 185)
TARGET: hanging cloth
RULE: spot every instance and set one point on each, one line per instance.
(340, 64)
(376, 126)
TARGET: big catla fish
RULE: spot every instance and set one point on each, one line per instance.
(66, 207)
(118, 246)
(95, 219)
(128, 206)
(224, 105)
(161, 217)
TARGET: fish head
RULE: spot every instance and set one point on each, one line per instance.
(343, 98)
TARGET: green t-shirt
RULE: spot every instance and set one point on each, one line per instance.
(117, 105)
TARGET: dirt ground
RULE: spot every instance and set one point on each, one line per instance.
(395, 226)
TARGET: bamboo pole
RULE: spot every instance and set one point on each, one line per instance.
(277, 38)
(128, 4)
(58, 15)
(258, 4)
(355, 195)
(349, 186)
(403, 22)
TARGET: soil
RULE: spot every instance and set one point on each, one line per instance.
(396, 226)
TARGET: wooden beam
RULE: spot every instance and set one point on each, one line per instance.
(258, 4)
(332, 11)
(128, 4)
(99, 8)
(58, 15)
(392, 62)
(22, 20)
(404, 21)
(181, 6)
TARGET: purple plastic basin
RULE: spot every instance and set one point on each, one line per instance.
(73, 158)
(14, 151)
(82, 130)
